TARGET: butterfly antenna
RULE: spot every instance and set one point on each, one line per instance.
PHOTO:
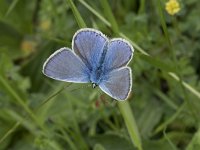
(53, 95)
(82, 87)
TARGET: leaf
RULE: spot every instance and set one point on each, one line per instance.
(195, 142)
(111, 142)
(98, 147)
(157, 145)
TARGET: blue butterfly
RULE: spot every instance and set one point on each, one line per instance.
(95, 59)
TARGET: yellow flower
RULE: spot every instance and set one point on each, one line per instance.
(172, 7)
(45, 25)
(28, 46)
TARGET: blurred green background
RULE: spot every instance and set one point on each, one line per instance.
(162, 112)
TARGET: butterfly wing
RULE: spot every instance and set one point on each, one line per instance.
(118, 55)
(64, 65)
(88, 44)
(117, 83)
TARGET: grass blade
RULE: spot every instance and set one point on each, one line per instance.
(77, 15)
(108, 12)
(130, 123)
(95, 12)
(12, 6)
(10, 131)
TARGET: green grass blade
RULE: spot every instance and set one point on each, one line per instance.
(109, 14)
(142, 7)
(130, 123)
(12, 6)
(10, 131)
(156, 62)
(169, 141)
(95, 13)
(53, 95)
(77, 15)
(167, 100)
(137, 47)
(164, 125)
(194, 143)
(186, 85)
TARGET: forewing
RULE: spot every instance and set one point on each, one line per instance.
(118, 55)
(117, 83)
(64, 65)
(88, 44)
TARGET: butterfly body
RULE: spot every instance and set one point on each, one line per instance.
(98, 73)
(95, 59)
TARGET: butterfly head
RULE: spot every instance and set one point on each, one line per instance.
(94, 85)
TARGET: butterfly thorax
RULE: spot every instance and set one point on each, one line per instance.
(98, 72)
(96, 76)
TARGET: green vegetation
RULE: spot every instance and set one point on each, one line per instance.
(162, 112)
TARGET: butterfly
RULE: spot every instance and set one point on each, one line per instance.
(94, 59)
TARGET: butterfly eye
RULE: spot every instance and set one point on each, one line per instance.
(94, 85)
